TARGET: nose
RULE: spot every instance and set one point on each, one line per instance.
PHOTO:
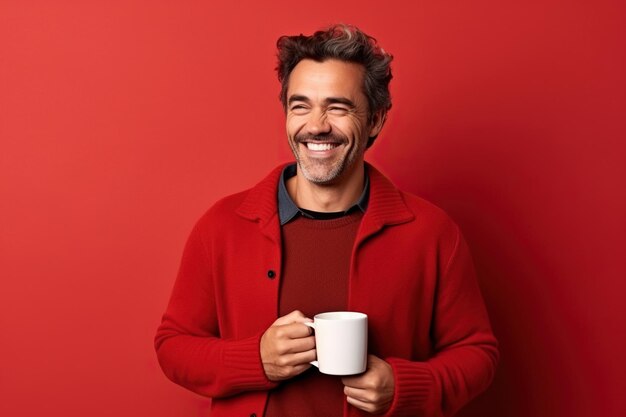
(318, 123)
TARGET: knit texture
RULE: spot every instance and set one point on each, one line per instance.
(410, 272)
(316, 259)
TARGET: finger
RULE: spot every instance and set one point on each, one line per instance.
(293, 331)
(295, 316)
(299, 345)
(300, 330)
(295, 359)
(370, 408)
(359, 381)
(287, 346)
(298, 369)
(373, 361)
(357, 394)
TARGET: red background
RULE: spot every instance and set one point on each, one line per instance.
(121, 122)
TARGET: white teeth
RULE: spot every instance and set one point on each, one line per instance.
(320, 146)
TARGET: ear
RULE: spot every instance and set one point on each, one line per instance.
(377, 123)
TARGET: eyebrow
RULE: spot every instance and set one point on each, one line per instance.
(327, 101)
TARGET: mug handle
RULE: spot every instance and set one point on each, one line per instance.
(312, 326)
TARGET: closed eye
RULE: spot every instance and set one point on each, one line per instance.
(338, 110)
(298, 109)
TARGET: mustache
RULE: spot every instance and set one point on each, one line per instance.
(326, 137)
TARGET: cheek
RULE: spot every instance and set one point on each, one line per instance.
(294, 125)
(352, 127)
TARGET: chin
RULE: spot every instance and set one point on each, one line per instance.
(322, 177)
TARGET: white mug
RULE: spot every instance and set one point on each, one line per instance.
(341, 342)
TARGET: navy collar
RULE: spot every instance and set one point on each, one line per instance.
(287, 209)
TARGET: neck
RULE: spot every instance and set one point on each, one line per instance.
(327, 198)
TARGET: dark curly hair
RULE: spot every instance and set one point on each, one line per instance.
(345, 43)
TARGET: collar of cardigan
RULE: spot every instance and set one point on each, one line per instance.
(386, 205)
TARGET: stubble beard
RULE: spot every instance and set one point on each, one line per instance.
(331, 170)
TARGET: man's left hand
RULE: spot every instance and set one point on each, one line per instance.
(371, 391)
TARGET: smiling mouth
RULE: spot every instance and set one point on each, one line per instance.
(314, 146)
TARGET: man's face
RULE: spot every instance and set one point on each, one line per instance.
(327, 119)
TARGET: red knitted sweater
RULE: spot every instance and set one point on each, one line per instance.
(316, 264)
(410, 272)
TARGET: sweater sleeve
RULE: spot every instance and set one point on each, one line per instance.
(465, 350)
(188, 343)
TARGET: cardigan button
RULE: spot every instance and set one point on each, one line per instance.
(271, 274)
(253, 415)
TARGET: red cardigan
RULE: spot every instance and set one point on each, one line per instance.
(411, 273)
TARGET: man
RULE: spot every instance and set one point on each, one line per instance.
(328, 233)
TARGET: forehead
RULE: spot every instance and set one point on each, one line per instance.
(330, 78)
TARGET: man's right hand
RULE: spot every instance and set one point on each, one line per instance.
(287, 347)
